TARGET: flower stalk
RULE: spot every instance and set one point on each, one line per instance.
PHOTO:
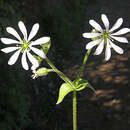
(74, 111)
(61, 75)
(84, 63)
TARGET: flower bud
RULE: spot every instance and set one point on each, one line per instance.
(40, 72)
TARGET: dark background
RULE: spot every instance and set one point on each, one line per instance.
(27, 104)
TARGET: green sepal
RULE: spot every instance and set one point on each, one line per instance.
(81, 84)
(65, 88)
(42, 71)
(46, 47)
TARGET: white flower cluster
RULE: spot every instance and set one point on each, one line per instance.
(24, 45)
(101, 37)
(105, 37)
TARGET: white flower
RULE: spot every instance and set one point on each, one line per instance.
(106, 36)
(24, 45)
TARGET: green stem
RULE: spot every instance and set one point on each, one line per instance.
(74, 111)
(62, 76)
(84, 63)
(67, 80)
(50, 70)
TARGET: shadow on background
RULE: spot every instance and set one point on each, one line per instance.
(109, 107)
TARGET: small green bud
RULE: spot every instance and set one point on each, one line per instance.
(40, 72)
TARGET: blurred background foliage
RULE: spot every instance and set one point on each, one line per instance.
(26, 104)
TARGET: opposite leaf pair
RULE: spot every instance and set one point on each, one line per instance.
(79, 84)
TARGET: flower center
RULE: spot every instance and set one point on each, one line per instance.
(105, 34)
(25, 45)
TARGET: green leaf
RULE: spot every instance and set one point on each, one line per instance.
(82, 84)
(91, 87)
(64, 90)
(46, 47)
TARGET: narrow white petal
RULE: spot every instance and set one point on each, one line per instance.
(24, 60)
(105, 21)
(9, 41)
(120, 39)
(99, 48)
(91, 35)
(14, 57)
(94, 24)
(34, 31)
(38, 52)
(93, 43)
(32, 59)
(23, 29)
(41, 40)
(107, 52)
(121, 31)
(117, 24)
(33, 68)
(9, 49)
(116, 48)
(13, 32)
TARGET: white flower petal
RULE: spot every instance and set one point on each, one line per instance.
(105, 21)
(116, 48)
(117, 24)
(23, 29)
(91, 35)
(33, 68)
(120, 39)
(121, 31)
(32, 59)
(34, 31)
(99, 48)
(14, 57)
(9, 49)
(24, 61)
(41, 40)
(107, 52)
(38, 52)
(94, 24)
(13, 32)
(9, 41)
(93, 43)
